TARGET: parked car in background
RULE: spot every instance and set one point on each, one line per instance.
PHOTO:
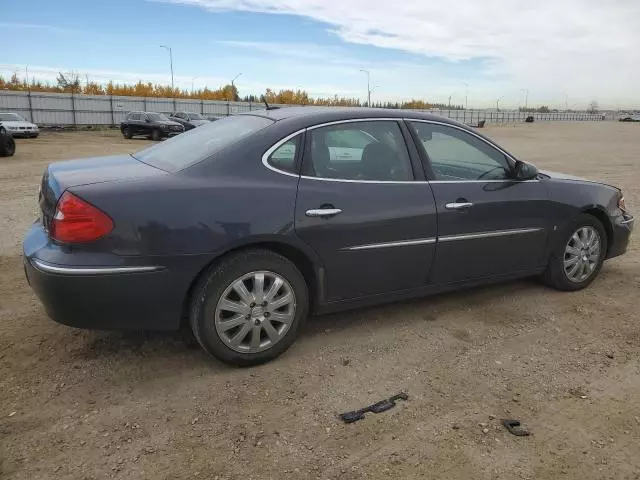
(628, 117)
(155, 126)
(189, 120)
(7, 144)
(213, 118)
(241, 228)
(17, 126)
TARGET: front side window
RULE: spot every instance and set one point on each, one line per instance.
(456, 155)
(368, 150)
(284, 157)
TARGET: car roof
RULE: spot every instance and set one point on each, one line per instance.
(313, 115)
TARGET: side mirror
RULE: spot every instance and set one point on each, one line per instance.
(525, 171)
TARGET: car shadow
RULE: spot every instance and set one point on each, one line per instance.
(150, 346)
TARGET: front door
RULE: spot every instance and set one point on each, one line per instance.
(360, 207)
(488, 223)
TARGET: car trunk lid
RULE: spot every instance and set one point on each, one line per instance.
(61, 176)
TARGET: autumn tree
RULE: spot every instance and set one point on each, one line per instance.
(69, 82)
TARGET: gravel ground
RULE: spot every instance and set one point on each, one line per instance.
(91, 405)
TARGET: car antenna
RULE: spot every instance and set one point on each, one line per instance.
(267, 105)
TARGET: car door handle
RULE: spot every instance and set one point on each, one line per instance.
(323, 212)
(458, 205)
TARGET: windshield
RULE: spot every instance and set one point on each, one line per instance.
(11, 117)
(195, 116)
(157, 117)
(199, 143)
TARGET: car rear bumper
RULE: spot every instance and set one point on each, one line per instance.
(622, 229)
(113, 294)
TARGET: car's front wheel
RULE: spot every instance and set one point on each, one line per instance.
(156, 135)
(127, 133)
(578, 257)
(249, 308)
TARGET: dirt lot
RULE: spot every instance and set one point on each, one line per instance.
(92, 405)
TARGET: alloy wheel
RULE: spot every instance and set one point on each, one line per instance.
(582, 253)
(255, 312)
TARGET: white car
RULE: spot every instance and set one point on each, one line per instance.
(634, 117)
(18, 126)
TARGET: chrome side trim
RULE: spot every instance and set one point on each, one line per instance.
(48, 268)
(495, 233)
(273, 148)
(403, 243)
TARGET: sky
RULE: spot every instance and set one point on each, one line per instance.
(546, 52)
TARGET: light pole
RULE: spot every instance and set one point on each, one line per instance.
(233, 86)
(498, 103)
(449, 105)
(466, 95)
(526, 97)
(170, 63)
(192, 80)
(368, 87)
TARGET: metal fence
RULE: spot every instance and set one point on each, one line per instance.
(65, 109)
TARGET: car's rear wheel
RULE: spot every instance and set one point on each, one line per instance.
(7, 147)
(128, 133)
(249, 308)
(156, 135)
(578, 257)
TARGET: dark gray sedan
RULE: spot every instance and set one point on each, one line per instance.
(241, 228)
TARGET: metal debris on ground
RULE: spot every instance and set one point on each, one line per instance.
(382, 406)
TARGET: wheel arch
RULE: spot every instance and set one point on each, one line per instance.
(302, 256)
(601, 214)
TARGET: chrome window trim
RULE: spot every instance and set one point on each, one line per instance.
(49, 268)
(274, 147)
(355, 120)
(494, 233)
(401, 243)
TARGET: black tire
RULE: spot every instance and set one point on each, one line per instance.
(555, 275)
(7, 147)
(35, 136)
(128, 134)
(220, 276)
(156, 135)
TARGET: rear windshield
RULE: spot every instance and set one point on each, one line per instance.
(199, 143)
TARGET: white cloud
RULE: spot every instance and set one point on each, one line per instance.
(34, 26)
(587, 48)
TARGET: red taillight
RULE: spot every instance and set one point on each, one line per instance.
(78, 221)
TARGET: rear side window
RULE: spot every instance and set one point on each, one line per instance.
(133, 116)
(284, 157)
(200, 143)
(365, 151)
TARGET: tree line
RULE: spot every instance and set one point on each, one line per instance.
(71, 83)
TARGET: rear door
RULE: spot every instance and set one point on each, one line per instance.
(488, 223)
(362, 208)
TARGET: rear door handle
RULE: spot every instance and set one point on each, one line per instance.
(458, 205)
(323, 212)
